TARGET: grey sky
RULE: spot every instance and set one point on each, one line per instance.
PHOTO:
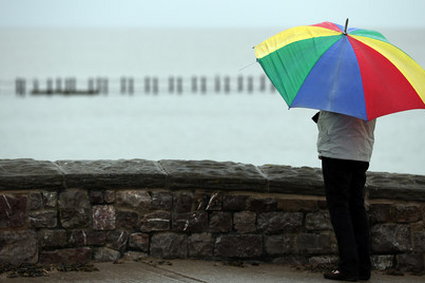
(209, 13)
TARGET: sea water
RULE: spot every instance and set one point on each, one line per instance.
(252, 128)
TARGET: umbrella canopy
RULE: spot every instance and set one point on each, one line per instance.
(355, 72)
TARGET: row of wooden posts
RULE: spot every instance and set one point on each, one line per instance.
(145, 85)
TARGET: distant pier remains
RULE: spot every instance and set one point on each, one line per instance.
(154, 85)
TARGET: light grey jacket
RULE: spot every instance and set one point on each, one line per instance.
(345, 137)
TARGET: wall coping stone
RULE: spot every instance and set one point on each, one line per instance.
(286, 179)
(207, 174)
(94, 174)
(27, 174)
(396, 186)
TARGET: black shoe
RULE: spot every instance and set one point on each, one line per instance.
(341, 276)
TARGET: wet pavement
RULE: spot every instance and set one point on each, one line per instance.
(195, 271)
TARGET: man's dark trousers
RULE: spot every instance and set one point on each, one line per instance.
(344, 185)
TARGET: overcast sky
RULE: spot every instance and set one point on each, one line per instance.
(209, 13)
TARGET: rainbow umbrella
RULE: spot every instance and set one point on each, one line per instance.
(355, 72)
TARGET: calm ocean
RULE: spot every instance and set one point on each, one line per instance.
(252, 128)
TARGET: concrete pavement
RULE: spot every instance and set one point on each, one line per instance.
(195, 271)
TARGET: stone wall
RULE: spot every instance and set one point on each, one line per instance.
(78, 211)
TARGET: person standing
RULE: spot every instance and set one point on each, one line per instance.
(345, 147)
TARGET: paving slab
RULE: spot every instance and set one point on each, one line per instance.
(196, 271)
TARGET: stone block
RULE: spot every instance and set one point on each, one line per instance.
(162, 200)
(155, 221)
(74, 209)
(201, 200)
(104, 254)
(78, 238)
(315, 243)
(215, 202)
(220, 222)
(323, 260)
(52, 238)
(104, 174)
(169, 245)
(410, 262)
(66, 256)
(109, 196)
(297, 205)
(393, 212)
(244, 221)
(418, 236)
(96, 197)
(262, 204)
(137, 199)
(43, 219)
(319, 220)
(280, 244)
(390, 238)
(380, 212)
(382, 262)
(127, 219)
(26, 174)
(40, 200)
(235, 202)
(195, 222)
(13, 210)
(291, 180)
(104, 217)
(201, 245)
(408, 213)
(275, 222)
(35, 201)
(139, 241)
(50, 199)
(206, 174)
(18, 247)
(239, 246)
(117, 240)
(182, 202)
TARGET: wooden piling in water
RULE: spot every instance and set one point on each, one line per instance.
(147, 84)
(155, 87)
(58, 85)
(20, 88)
(102, 85)
(179, 85)
(240, 83)
(171, 84)
(194, 84)
(262, 83)
(90, 86)
(217, 84)
(227, 84)
(105, 86)
(70, 85)
(250, 87)
(130, 86)
(35, 86)
(67, 87)
(49, 86)
(203, 85)
(123, 85)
